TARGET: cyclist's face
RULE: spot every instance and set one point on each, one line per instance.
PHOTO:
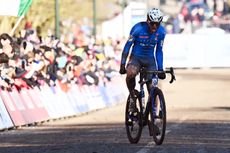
(153, 26)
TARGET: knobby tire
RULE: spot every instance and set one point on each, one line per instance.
(158, 139)
(136, 138)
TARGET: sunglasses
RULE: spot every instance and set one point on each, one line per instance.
(154, 23)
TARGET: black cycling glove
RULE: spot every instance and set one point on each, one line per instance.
(122, 69)
(161, 75)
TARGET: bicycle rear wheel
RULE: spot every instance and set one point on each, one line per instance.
(158, 116)
(133, 121)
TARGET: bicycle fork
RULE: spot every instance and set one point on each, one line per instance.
(154, 101)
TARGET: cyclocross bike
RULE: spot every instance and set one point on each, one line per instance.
(151, 113)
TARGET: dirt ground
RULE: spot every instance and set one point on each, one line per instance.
(198, 120)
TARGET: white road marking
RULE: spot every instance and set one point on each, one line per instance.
(151, 144)
(146, 148)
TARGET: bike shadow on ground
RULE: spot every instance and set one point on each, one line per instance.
(222, 108)
(187, 136)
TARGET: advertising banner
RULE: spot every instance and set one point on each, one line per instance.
(5, 121)
(15, 114)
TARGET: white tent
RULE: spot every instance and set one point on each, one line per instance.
(120, 25)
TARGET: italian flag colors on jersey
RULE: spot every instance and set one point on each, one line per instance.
(14, 7)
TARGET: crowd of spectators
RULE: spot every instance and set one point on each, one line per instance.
(30, 60)
(196, 14)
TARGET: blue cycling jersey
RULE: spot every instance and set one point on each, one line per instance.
(145, 44)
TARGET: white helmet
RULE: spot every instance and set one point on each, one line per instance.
(155, 15)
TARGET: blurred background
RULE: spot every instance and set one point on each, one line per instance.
(181, 16)
(82, 38)
(65, 54)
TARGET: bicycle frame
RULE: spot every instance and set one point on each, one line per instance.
(143, 115)
(154, 80)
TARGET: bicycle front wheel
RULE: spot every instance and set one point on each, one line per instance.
(158, 116)
(133, 120)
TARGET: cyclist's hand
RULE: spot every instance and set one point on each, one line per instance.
(161, 75)
(122, 69)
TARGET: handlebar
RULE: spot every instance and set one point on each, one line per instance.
(171, 71)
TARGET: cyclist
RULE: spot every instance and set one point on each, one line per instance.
(146, 39)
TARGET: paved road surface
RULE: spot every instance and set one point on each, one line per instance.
(198, 106)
